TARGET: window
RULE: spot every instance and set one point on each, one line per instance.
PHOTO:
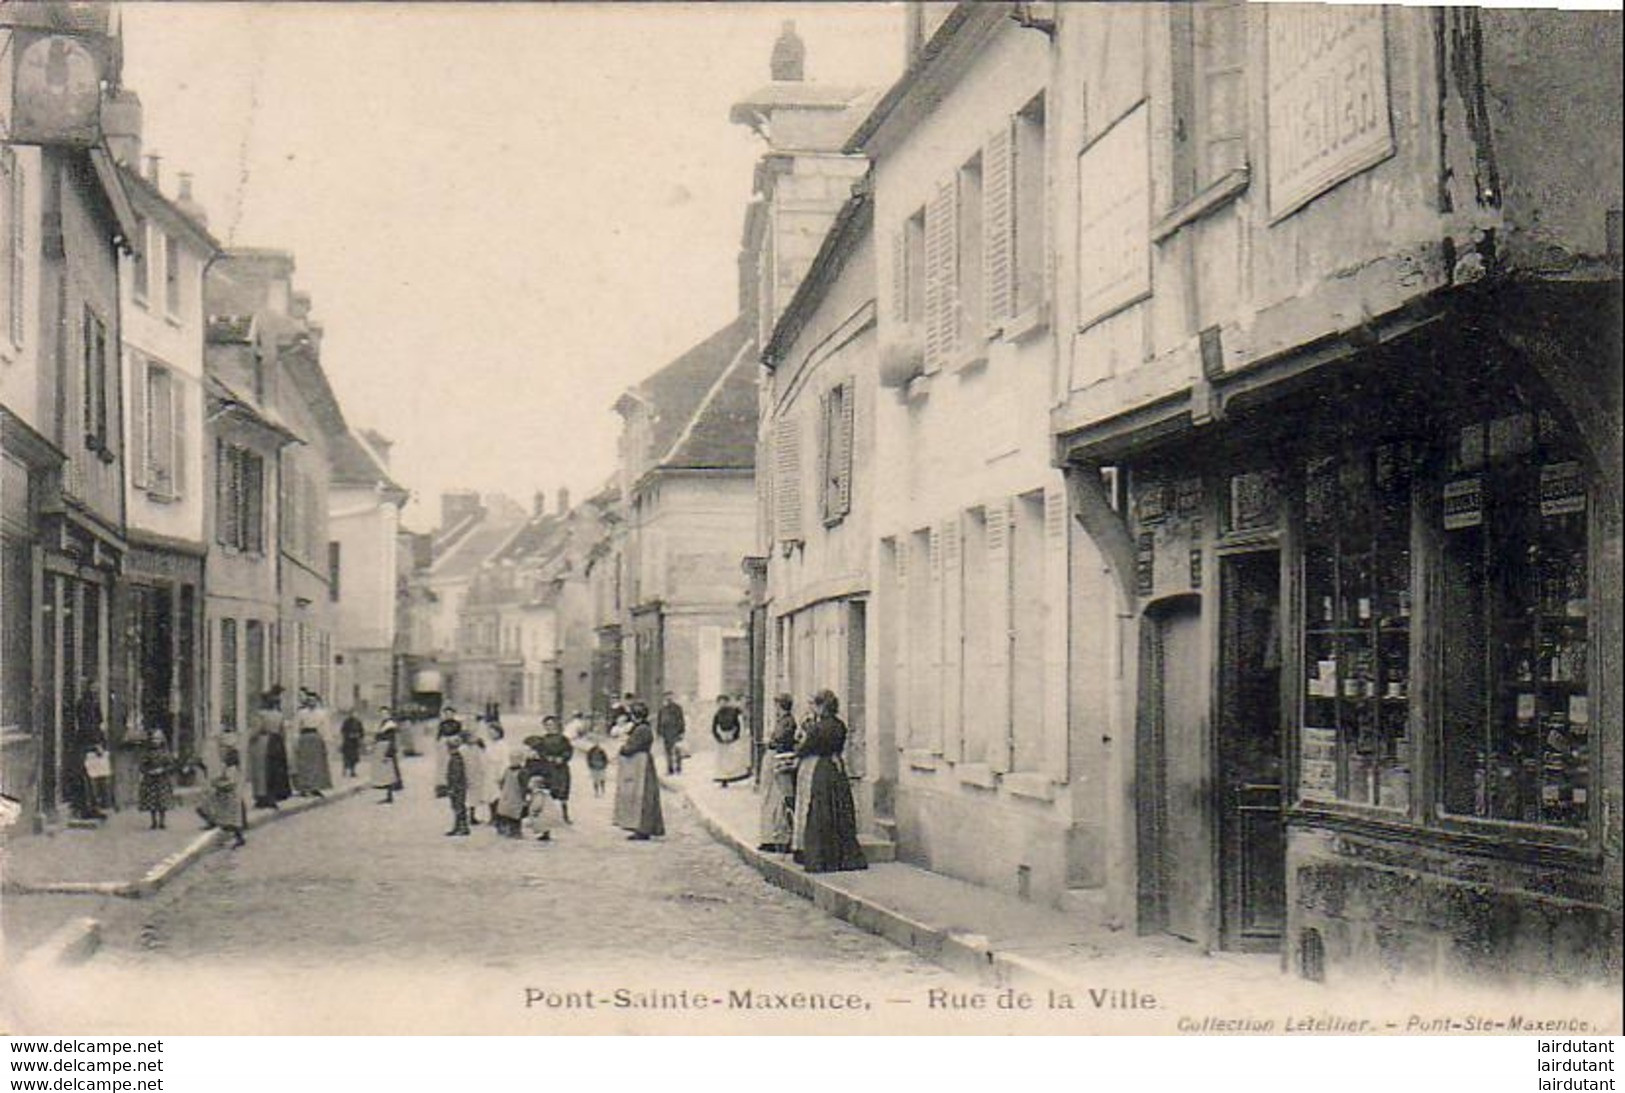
(1210, 93)
(229, 692)
(13, 266)
(333, 570)
(787, 479)
(172, 276)
(1355, 743)
(254, 672)
(95, 379)
(836, 447)
(1029, 207)
(908, 270)
(157, 458)
(1517, 724)
(140, 266)
(969, 309)
(239, 498)
(941, 276)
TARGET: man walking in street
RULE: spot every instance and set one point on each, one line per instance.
(457, 785)
(670, 726)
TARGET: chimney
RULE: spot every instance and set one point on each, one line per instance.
(564, 501)
(789, 59)
(187, 203)
(121, 125)
(152, 173)
(299, 305)
(538, 503)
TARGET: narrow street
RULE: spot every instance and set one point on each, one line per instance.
(364, 916)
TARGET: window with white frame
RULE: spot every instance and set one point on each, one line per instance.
(1210, 93)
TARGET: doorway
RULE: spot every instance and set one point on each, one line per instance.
(1174, 767)
(1252, 840)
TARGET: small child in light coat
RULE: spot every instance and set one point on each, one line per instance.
(510, 803)
(538, 821)
(598, 767)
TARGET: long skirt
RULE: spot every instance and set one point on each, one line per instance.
(268, 768)
(386, 769)
(637, 796)
(350, 752)
(311, 772)
(558, 779)
(223, 806)
(830, 843)
(803, 795)
(778, 796)
(156, 792)
(733, 760)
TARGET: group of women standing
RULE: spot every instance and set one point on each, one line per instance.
(807, 808)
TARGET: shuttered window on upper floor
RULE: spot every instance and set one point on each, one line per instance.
(12, 212)
(838, 416)
(1210, 93)
(787, 480)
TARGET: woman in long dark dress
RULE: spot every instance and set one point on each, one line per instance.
(268, 754)
(555, 751)
(830, 841)
(352, 733)
(637, 789)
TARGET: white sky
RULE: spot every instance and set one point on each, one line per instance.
(505, 214)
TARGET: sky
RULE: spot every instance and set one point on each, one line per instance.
(505, 214)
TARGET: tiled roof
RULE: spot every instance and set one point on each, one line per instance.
(722, 433)
(676, 391)
(355, 463)
(462, 558)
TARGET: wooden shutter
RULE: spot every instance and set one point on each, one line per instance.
(222, 501)
(787, 479)
(253, 501)
(847, 426)
(953, 645)
(178, 424)
(941, 288)
(160, 454)
(139, 409)
(998, 228)
(1056, 619)
(827, 456)
(999, 627)
(899, 276)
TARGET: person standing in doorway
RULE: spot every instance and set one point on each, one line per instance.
(637, 789)
(829, 842)
(670, 726)
(351, 734)
(87, 735)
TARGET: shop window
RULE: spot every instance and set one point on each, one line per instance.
(1516, 725)
(1355, 743)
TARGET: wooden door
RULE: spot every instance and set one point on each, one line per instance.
(1176, 841)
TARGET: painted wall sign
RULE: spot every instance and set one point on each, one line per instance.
(1114, 219)
(1327, 101)
(1562, 489)
(56, 87)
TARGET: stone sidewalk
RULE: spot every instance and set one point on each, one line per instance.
(992, 936)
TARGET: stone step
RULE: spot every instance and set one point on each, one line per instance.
(876, 850)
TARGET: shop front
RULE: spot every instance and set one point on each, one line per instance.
(161, 638)
(1375, 725)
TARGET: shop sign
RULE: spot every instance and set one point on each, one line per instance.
(1317, 764)
(1562, 489)
(1463, 503)
(56, 90)
(1254, 500)
(1150, 501)
(1327, 101)
(1145, 563)
(1114, 219)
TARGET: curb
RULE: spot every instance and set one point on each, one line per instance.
(155, 878)
(74, 942)
(971, 955)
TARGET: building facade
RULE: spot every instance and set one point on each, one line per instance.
(66, 216)
(363, 519)
(1337, 397)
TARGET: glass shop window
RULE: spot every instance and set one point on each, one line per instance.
(1517, 723)
(1355, 744)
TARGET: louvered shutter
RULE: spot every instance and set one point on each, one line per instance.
(827, 456)
(899, 277)
(999, 626)
(222, 493)
(253, 501)
(1057, 604)
(902, 688)
(847, 425)
(179, 482)
(953, 646)
(161, 431)
(941, 289)
(933, 712)
(787, 479)
(138, 421)
(998, 228)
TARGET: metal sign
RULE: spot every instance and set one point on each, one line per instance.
(56, 90)
(1327, 101)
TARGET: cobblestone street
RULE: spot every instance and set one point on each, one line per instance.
(366, 917)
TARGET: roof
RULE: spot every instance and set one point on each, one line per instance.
(540, 535)
(722, 433)
(461, 559)
(354, 462)
(680, 390)
(147, 196)
(228, 398)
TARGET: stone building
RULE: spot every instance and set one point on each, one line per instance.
(363, 518)
(1337, 397)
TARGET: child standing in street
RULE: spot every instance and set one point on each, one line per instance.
(597, 767)
(537, 820)
(509, 810)
(457, 785)
(157, 788)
